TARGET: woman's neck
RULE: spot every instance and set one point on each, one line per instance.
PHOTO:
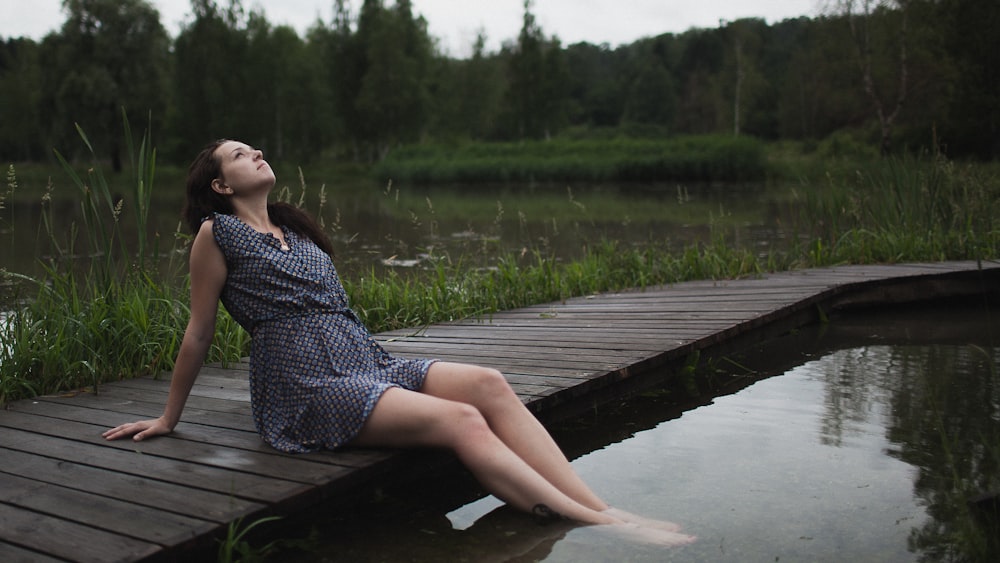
(254, 215)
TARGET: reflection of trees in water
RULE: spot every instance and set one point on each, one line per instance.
(950, 429)
(855, 390)
(944, 417)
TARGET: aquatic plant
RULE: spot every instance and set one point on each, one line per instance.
(104, 311)
(235, 547)
(691, 158)
(901, 209)
(449, 291)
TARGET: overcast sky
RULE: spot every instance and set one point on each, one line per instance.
(455, 22)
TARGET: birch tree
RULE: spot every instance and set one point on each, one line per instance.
(879, 30)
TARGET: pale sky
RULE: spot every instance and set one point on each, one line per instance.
(455, 22)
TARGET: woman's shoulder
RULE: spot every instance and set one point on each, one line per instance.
(218, 223)
(217, 227)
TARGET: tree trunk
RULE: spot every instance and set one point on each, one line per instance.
(862, 40)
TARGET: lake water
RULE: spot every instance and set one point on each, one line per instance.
(860, 440)
(377, 227)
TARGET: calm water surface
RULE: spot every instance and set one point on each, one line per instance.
(376, 227)
(861, 440)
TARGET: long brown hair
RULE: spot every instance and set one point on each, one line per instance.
(202, 201)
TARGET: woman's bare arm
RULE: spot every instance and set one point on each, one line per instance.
(208, 275)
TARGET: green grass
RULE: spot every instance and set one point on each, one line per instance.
(104, 310)
(901, 210)
(450, 291)
(695, 158)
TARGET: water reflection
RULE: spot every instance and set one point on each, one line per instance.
(868, 445)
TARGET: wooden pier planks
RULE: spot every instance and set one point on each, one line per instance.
(67, 494)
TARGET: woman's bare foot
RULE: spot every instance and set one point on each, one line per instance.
(642, 534)
(624, 516)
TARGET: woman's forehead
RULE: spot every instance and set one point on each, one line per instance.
(229, 147)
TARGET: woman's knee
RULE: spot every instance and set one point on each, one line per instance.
(484, 388)
(492, 384)
(463, 422)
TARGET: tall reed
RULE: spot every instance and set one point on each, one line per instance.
(450, 291)
(695, 158)
(101, 309)
(902, 209)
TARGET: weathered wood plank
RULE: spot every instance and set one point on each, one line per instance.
(151, 407)
(265, 464)
(69, 540)
(136, 462)
(114, 393)
(109, 514)
(599, 336)
(139, 490)
(238, 436)
(10, 553)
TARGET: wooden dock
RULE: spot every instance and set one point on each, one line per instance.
(67, 494)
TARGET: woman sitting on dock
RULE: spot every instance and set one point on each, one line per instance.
(317, 377)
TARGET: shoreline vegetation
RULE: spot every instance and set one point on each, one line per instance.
(121, 313)
(704, 158)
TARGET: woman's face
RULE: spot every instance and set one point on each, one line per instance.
(243, 169)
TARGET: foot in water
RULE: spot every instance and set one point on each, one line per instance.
(651, 536)
(642, 521)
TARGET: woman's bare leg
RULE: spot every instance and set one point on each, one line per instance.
(488, 391)
(409, 419)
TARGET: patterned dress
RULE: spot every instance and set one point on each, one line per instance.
(315, 371)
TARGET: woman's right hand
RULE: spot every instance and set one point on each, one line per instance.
(139, 430)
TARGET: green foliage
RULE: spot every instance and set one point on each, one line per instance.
(20, 96)
(846, 144)
(104, 311)
(534, 103)
(235, 548)
(902, 210)
(450, 291)
(465, 96)
(71, 335)
(109, 54)
(371, 80)
(392, 100)
(704, 159)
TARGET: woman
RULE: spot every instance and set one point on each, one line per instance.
(318, 378)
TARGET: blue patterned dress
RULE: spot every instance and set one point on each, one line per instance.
(315, 371)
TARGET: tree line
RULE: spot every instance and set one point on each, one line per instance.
(895, 75)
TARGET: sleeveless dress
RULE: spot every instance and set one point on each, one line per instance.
(315, 371)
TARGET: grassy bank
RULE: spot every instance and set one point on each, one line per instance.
(900, 210)
(695, 159)
(114, 315)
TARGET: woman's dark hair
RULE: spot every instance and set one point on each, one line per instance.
(300, 222)
(202, 201)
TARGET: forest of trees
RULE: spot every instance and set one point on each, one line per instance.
(893, 74)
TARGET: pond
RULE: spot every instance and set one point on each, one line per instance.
(863, 439)
(401, 227)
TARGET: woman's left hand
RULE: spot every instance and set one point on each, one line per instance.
(139, 430)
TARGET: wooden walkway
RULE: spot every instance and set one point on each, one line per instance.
(67, 494)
